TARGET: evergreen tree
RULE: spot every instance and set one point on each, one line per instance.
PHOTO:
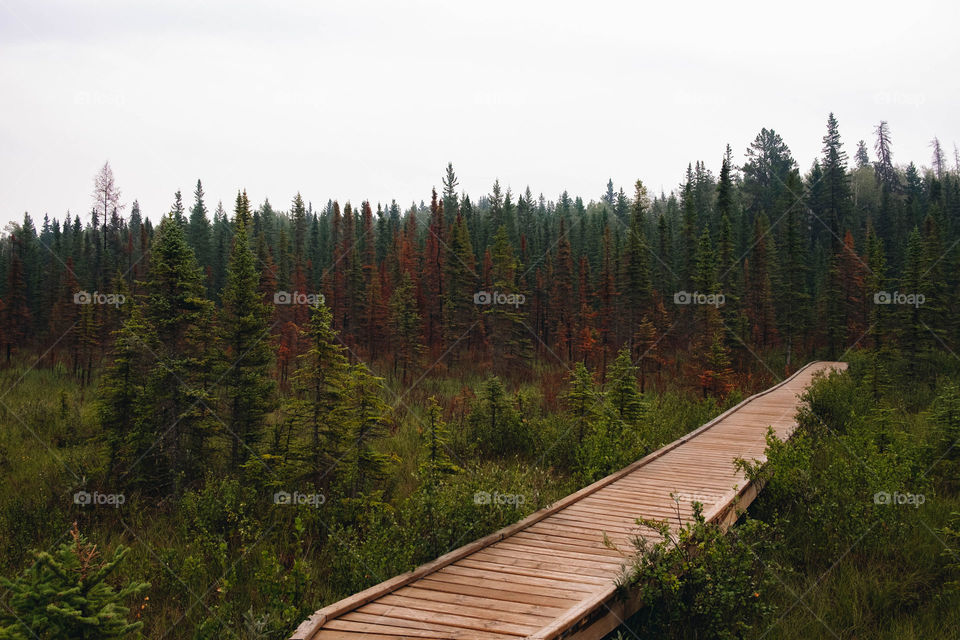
(247, 356)
(836, 185)
(406, 327)
(319, 388)
(758, 287)
(65, 594)
(198, 230)
(581, 399)
(636, 293)
(434, 467)
(459, 310)
(364, 416)
(172, 433)
(621, 389)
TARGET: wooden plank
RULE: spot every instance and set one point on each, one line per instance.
(342, 624)
(561, 553)
(334, 634)
(420, 592)
(544, 569)
(494, 577)
(526, 559)
(446, 623)
(484, 613)
(521, 561)
(498, 594)
(512, 583)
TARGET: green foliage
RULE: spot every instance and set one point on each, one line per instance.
(363, 418)
(822, 537)
(496, 427)
(311, 440)
(64, 596)
(621, 390)
(247, 354)
(695, 581)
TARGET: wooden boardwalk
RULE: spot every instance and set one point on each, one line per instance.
(551, 575)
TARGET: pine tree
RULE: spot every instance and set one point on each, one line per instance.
(120, 398)
(298, 214)
(406, 327)
(173, 431)
(581, 399)
(364, 416)
(198, 230)
(758, 288)
(64, 594)
(792, 297)
(177, 210)
(716, 379)
(450, 204)
(222, 242)
(247, 356)
(563, 295)
(863, 158)
(319, 388)
(880, 329)
(494, 421)
(434, 467)
(434, 259)
(836, 185)
(507, 334)
(636, 290)
(621, 389)
(16, 313)
(459, 311)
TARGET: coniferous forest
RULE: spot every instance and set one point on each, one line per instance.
(217, 418)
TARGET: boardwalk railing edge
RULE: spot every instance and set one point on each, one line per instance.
(725, 513)
(312, 625)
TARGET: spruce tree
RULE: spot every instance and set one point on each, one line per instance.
(435, 465)
(198, 230)
(172, 434)
(364, 416)
(319, 386)
(581, 399)
(65, 595)
(406, 327)
(247, 353)
(621, 389)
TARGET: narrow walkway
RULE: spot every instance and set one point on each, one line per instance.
(551, 575)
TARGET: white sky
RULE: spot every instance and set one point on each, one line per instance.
(357, 99)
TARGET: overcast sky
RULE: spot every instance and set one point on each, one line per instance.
(369, 100)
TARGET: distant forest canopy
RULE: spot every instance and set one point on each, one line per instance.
(760, 263)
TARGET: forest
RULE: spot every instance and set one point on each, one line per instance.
(217, 418)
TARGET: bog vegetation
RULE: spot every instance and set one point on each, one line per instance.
(213, 427)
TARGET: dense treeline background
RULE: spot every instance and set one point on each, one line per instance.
(188, 365)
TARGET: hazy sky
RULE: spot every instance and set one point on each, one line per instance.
(369, 100)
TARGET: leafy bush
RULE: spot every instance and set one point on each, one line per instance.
(697, 582)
